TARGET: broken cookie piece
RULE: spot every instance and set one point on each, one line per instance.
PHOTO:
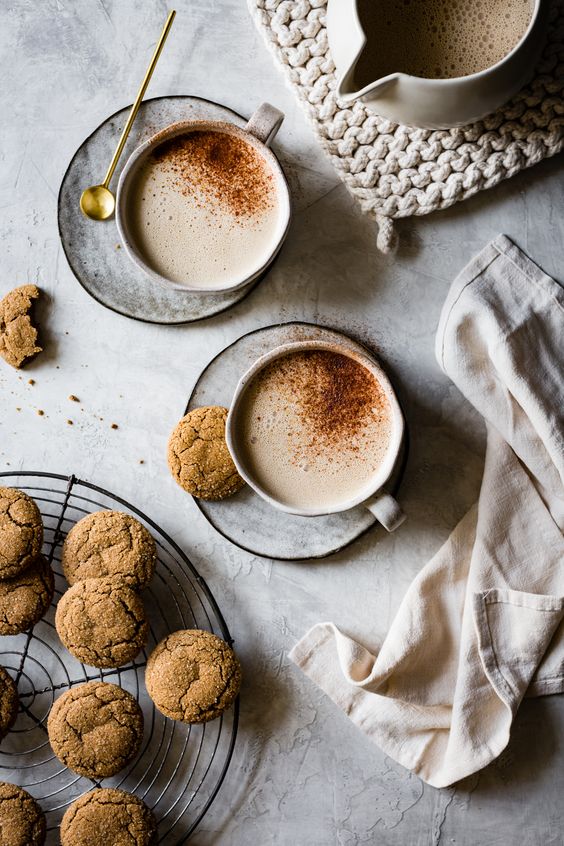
(18, 335)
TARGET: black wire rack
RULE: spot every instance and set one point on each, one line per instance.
(180, 768)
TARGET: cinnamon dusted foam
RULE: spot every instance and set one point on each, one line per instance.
(315, 426)
(204, 209)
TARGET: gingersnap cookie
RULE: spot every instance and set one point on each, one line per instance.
(193, 676)
(109, 543)
(102, 622)
(95, 729)
(9, 703)
(25, 598)
(22, 822)
(21, 532)
(123, 818)
(18, 335)
(198, 457)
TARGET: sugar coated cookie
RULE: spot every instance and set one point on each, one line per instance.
(102, 622)
(21, 532)
(95, 729)
(25, 598)
(109, 543)
(124, 819)
(22, 822)
(193, 676)
(198, 457)
(9, 703)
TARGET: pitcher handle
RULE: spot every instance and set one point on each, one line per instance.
(265, 123)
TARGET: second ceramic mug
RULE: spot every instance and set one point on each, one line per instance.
(373, 496)
(259, 133)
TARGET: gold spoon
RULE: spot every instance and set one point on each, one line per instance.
(98, 202)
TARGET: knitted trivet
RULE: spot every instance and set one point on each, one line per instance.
(398, 171)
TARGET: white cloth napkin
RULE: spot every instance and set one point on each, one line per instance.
(482, 624)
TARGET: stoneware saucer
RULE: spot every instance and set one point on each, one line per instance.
(246, 519)
(93, 248)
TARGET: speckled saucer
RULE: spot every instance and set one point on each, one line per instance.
(93, 248)
(247, 520)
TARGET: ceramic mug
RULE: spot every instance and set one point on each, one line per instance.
(373, 496)
(259, 133)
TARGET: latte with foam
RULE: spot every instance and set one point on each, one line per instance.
(313, 428)
(204, 209)
(438, 39)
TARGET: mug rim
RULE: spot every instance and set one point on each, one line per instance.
(385, 469)
(171, 131)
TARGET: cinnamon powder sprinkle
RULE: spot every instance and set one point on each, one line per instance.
(224, 169)
(336, 396)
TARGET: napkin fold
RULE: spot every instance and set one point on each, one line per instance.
(482, 625)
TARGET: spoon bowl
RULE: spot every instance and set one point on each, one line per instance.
(97, 202)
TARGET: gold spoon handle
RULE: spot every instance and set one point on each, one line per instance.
(139, 98)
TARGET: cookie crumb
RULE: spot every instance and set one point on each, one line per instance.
(73, 398)
(31, 381)
(114, 426)
(141, 461)
(118, 246)
(70, 422)
(18, 408)
(40, 412)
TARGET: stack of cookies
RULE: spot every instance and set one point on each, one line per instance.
(26, 582)
(26, 579)
(96, 729)
(26, 590)
(108, 557)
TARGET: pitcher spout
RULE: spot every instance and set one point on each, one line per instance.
(348, 92)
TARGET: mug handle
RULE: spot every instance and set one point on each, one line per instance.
(386, 510)
(265, 123)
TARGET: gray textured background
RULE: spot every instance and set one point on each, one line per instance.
(301, 774)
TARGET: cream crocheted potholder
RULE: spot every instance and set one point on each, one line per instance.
(398, 171)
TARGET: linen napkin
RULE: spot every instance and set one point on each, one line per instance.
(482, 624)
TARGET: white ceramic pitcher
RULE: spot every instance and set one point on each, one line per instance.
(431, 103)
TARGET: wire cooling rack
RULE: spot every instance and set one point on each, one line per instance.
(180, 768)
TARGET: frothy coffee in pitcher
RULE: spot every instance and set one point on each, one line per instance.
(438, 39)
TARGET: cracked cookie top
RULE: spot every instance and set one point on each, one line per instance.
(95, 729)
(22, 822)
(122, 817)
(109, 543)
(21, 532)
(193, 676)
(18, 335)
(25, 598)
(9, 702)
(102, 622)
(198, 457)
